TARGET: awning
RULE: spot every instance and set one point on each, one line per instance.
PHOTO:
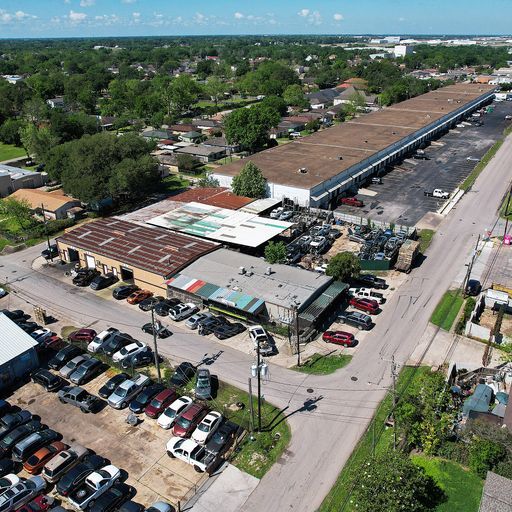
(329, 296)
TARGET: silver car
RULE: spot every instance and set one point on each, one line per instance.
(194, 320)
(72, 365)
(21, 493)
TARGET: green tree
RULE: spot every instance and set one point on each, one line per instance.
(250, 182)
(293, 95)
(208, 181)
(391, 482)
(17, 209)
(37, 141)
(250, 127)
(10, 131)
(343, 266)
(313, 125)
(179, 94)
(484, 455)
(275, 252)
(186, 163)
(215, 89)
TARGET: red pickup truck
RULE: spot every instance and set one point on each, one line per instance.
(367, 305)
(351, 201)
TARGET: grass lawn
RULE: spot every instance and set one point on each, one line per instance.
(463, 488)
(506, 213)
(447, 310)
(319, 364)
(172, 183)
(425, 238)
(340, 493)
(480, 166)
(9, 151)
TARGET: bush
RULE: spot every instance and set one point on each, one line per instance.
(455, 451)
(484, 455)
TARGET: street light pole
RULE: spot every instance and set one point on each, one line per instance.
(46, 232)
(296, 313)
(259, 383)
(157, 362)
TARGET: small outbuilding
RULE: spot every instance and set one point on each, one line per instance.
(18, 354)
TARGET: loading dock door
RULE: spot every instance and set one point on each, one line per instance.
(73, 255)
(126, 274)
(90, 262)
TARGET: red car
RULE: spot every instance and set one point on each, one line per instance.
(188, 421)
(53, 342)
(139, 296)
(40, 503)
(339, 338)
(367, 305)
(160, 402)
(34, 464)
(85, 335)
(351, 201)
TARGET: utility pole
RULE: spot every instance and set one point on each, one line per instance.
(157, 361)
(296, 311)
(258, 369)
(393, 375)
(506, 211)
(470, 267)
(251, 408)
(46, 232)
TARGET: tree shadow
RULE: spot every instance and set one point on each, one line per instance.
(308, 406)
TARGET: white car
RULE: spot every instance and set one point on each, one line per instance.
(207, 427)
(168, 417)
(182, 311)
(8, 481)
(101, 338)
(194, 320)
(129, 350)
(41, 334)
(21, 493)
(3, 293)
(276, 212)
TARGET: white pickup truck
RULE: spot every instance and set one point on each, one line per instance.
(366, 293)
(192, 453)
(437, 192)
(127, 390)
(94, 486)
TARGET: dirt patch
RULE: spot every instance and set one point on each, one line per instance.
(488, 319)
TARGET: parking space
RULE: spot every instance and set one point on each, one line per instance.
(139, 451)
(400, 198)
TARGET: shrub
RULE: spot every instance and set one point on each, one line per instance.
(484, 455)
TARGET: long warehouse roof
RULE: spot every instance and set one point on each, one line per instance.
(329, 152)
(156, 250)
(14, 341)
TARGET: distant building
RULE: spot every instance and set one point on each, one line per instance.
(203, 153)
(56, 205)
(401, 50)
(57, 102)
(13, 178)
(13, 79)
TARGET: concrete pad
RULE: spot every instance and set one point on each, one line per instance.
(228, 492)
(367, 192)
(430, 221)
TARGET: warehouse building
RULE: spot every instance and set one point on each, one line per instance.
(13, 178)
(18, 354)
(143, 255)
(315, 170)
(247, 288)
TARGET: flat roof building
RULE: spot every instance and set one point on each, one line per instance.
(316, 169)
(222, 225)
(220, 197)
(141, 254)
(14, 178)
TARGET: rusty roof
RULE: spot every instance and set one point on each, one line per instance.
(329, 152)
(215, 196)
(155, 250)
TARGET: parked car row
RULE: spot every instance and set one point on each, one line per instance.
(316, 241)
(85, 479)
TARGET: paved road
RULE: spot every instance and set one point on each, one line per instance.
(323, 438)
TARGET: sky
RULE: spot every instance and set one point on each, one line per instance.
(77, 18)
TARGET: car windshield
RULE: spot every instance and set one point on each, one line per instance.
(81, 371)
(121, 392)
(183, 422)
(203, 427)
(156, 403)
(202, 382)
(32, 460)
(170, 413)
(5, 482)
(125, 350)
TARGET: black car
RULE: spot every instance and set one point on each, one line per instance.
(131, 506)
(7, 466)
(473, 287)
(16, 435)
(106, 390)
(41, 438)
(100, 282)
(228, 330)
(209, 324)
(162, 332)
(144, 358)
(116, 343)
(183, 374)
(124, 291)
(163, 307)
(75, 476)
(16, 315)
(372, 281)
(85, 276)
(29, 327)
(223, 438)
(51, 252)
(63, 356)
(139, 403)
(149, 303)
(5, 407)
(111, 499)
(356, 319)
(47, 379)
(11, 421)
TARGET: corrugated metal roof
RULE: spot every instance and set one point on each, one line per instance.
(216, 196)
(13, 340)
(321, 303)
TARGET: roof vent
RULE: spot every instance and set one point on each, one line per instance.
(241, 271)
(249, 273)
(268, 272)
(366, 142)
(340, 157)
(303, 170)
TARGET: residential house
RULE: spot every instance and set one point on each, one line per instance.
(56, 205)
(203, 153)
(191, 137)
(221, 142)
(322, 98)
(57, 102)
(285, 127)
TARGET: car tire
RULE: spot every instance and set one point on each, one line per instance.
(171, 455)
(62, 401)
(85, 411)
(91, 504)
(197, 469)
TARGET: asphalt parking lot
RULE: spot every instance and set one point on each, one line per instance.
(400, 199)
(139, 451)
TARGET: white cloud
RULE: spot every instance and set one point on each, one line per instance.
(200, 18)
(401, 19)
(7, 17)
(67, 1)
(136, 14)
(87, 3)
(304, 13)
(76, 17)
(313, 17)
(338, 17)
(238, 15)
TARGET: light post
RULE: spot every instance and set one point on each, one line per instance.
(295, 308)
(157, 361)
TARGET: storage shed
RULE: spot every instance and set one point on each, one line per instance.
(18, 355)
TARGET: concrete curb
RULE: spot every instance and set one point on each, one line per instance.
(448, 206)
